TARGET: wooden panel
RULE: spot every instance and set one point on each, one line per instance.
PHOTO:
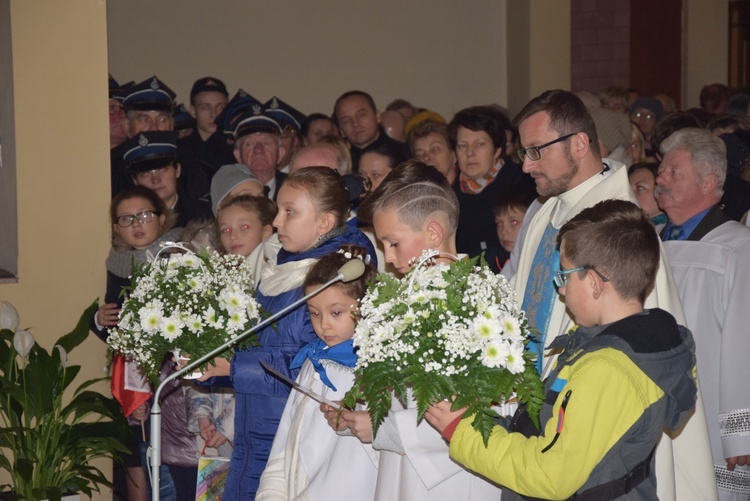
(656, 47)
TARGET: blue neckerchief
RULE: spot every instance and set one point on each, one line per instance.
(688, 226)
(540, 296)
(660, 219)
(342, 354)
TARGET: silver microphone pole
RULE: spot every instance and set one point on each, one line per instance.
(351, 270)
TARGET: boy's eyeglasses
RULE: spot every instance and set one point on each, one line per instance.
(534, 152)
(143, 217)
(561, 277)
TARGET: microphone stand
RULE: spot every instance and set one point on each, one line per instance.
(352, 270)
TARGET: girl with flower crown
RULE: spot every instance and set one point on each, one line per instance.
(311, 222)
(308, 459)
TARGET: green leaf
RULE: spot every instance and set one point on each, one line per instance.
(25, 469)
(81, 330)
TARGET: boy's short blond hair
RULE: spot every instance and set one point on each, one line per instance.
(617, 239)
(415, 191)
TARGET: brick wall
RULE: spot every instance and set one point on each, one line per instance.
(600, 44)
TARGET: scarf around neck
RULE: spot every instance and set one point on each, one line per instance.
(121, 259)
(315, 351)
(475, 186)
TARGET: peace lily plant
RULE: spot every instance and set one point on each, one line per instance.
(48, 441)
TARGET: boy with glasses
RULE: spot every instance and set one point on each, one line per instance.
(625, 374)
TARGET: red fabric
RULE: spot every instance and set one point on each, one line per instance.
(451, 428)
(129, 399)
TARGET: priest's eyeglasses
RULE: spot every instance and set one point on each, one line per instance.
(561, 276)
(534, 152)
(128, 219)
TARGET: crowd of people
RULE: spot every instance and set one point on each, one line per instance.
(547, 198)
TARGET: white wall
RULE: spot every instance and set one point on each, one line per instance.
(439, 54)
(706, 57)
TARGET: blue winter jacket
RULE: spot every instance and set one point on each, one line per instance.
(260, 398)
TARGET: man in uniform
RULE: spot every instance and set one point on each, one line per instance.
(208, 98)
(151, 160)
(258, 145)
(290, 120)
(148, 107)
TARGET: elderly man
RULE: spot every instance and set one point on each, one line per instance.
(148, 107)
(560, 149)
(290, 120)
(710, 258)
(359, 121)
(258, 145)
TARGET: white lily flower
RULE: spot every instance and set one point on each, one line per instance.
(63, 355)
(23, 341)
(8, 316)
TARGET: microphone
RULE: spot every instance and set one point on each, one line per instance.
(351, 270)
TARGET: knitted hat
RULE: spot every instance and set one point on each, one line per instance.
(226, 179)
(421, 117)
(651, 104)
(612, 128)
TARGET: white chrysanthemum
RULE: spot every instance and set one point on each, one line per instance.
(511, 326)
(190, 261)
(126, 321)
(486, 328)
(194, 324)
(196, 282)
(171, 328)
(236, 321)
(495, 354)
(515, 361)
(212, 319)
(232, 300)
(252, 309)
(409, 317)
(150, 319)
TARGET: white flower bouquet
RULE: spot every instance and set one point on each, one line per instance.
(443, 332)
(185, 303)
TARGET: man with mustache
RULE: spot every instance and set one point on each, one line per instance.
(709, 255)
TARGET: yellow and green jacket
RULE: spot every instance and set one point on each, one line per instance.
(614, 389)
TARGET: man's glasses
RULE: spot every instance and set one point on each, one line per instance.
(128, 219)
(561, 276)
(534, 153)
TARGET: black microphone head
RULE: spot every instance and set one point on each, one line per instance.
(352, 270)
